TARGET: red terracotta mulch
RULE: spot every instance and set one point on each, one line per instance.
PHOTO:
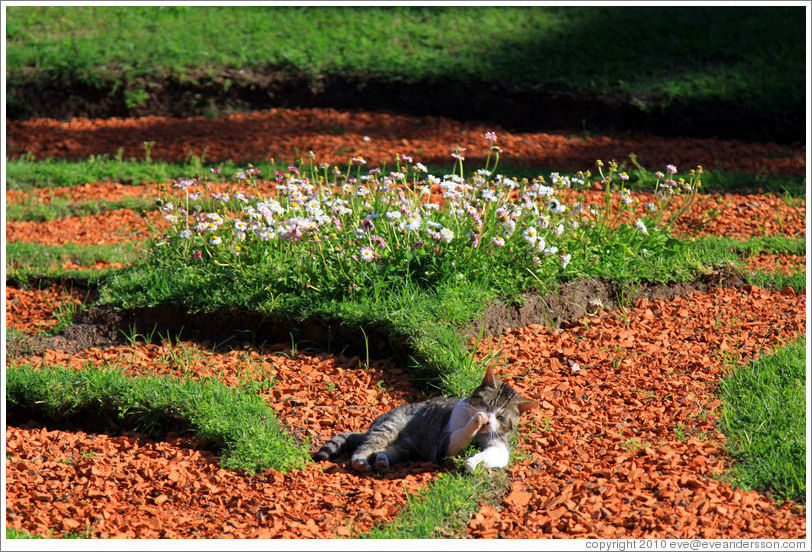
(127, 486)
(336, 136)
(33, 311)
(109, 227)
(94, 191)
(616, 389)
(603, 456)
(776, 264)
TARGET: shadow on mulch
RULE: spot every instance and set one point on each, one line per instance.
(510, 106)
(105, 326)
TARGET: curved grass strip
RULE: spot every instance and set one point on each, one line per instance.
(25, 173)
(28, 261)
(241, 424)
(64, 208)
(796, 281)
(764, 418)
(12, 533)
(443, 509)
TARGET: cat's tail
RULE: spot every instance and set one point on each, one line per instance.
(342, 444)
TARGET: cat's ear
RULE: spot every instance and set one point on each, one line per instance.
(526, 405)
(490, 380)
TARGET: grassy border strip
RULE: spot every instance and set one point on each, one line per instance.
(240, 423)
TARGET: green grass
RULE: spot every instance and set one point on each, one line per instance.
(797, 280)
(443, 509)
(791, 187)
(27, 262)
(25, 173)
(17, 534)
(764, 419)
(59, 208)
(720, 250)
(778, 245)
(746, 55)
(238, 422)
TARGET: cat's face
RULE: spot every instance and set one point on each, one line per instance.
(500, 403)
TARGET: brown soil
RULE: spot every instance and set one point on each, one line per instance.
(625, 443)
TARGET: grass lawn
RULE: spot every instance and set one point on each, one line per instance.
(652, 56)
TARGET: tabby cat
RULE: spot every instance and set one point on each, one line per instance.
(435, 429)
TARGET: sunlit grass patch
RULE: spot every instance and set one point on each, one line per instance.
(764, 419)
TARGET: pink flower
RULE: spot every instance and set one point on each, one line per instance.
(367, 254)
(490, 136)
(379, 240)
(672, 169)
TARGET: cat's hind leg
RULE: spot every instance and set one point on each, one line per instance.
(393, 454)
(340, 445)
(374, 450)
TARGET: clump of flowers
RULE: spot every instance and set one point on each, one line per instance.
(338, 229)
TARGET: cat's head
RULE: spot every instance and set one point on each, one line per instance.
(500, 402)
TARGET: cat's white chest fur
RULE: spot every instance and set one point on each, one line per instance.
(463, 429)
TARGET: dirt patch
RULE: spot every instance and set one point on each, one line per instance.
(505, 104)
(588, 296)
(105, 326)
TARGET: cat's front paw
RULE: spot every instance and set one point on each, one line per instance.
(361, 465)
(382, 462)
(490, 457)
(481, 419)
